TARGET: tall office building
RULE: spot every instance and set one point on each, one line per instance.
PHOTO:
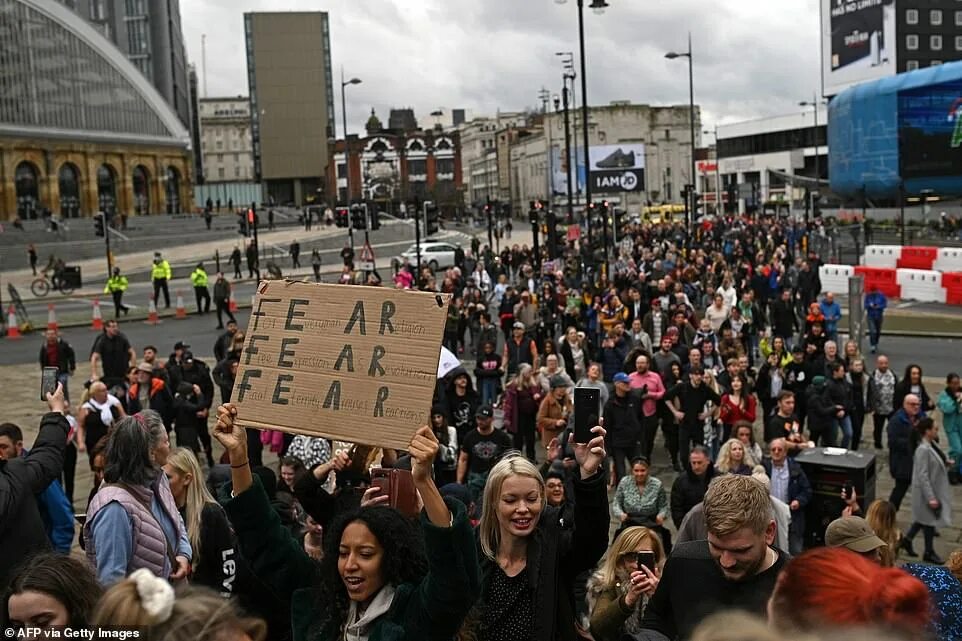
(149, 34)
(292, 101)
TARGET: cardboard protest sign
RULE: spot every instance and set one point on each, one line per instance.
(348, 363)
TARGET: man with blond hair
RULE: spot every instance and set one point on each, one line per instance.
(734, 569)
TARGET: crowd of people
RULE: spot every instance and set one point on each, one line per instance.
(730, 350)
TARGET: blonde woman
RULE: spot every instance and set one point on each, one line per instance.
(880, 516)
(620, 588)
(733, 458)
(530, 559)
(208, 530)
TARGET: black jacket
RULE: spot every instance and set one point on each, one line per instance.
(66, 359)
(901, 446)
(622, 420)
(557, 555)
(688, 491)
(784, 320)
(198, 375)
(22, 531)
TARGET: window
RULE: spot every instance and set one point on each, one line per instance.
(935, 17)
(912, 42)
(341, 170)
(958, 43)
(220, 157)
(935, 42)
(220, 144)
(911, 16)
(958, 18)
(911, 65)
(236, 172)
(220, 172)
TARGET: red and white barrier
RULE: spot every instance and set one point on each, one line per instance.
(949, 260)
(921, 284)
(835, 277)
(882, 256)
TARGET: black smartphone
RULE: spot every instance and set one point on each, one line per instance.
(586, 412)
(848, 488)
(647, 559)
(48, 382)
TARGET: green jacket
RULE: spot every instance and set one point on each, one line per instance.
(116, 284)
(198, 277)
(432, 610)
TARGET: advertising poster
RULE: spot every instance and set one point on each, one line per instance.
(858, 42)
(930, 130)
(559, 179)
(617, 168)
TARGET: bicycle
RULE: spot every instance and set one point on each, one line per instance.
(41, 286)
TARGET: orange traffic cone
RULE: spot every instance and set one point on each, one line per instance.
(97, 324)
(51, 317)
(152, 316)
(180, 312)
(13, 331)
(232, 302)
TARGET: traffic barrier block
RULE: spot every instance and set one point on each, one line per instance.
(917, 257)
(882, 255)
(835, 277)
(952, 280)
(877, 275)
(949, 260)
(953, 296)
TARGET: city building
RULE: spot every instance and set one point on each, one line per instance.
(866, 41)
(391, 168)
(199, 175)
(929, 33)
(479, 151)
(291, 101)
(81, 128)
(769, 162)
(149, 34)
(225, 139)
(663, 132)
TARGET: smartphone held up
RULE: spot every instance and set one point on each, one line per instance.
(587, 400)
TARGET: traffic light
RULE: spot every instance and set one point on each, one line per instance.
(99, 229)
(432, 221)
(619, 215)
(534, 214)
(374, 220)
(341, 217)
(357, 217)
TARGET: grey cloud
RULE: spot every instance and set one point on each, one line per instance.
(751, 59)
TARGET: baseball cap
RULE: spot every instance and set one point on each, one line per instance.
(181, 345)
(518, 325)
(620, 377)
(484, 411)
(853, 533)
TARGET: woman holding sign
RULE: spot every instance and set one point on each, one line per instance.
(531, 559)
(378, 578)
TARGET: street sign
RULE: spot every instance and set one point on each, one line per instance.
(366, 259)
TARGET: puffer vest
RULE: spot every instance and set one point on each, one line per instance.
(149, 543)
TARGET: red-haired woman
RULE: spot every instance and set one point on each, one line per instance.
(836, 588)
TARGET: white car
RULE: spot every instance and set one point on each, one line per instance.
(434, 254)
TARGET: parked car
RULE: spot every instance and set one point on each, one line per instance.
(434, 254)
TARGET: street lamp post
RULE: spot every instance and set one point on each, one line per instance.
(814, 104)
(347, 155)
(672, 55)
(598, 6)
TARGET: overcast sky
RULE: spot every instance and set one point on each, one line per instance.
(752, 58)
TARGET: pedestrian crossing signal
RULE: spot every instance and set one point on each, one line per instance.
(99, 229)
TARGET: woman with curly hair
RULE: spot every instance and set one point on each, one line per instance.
(619, 589)
(378, 579)
(734, 458)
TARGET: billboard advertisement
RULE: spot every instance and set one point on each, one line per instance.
(617, 168)
(858, 42)
(930, 130)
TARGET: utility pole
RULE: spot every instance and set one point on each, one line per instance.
(418, 215)
(564, 103)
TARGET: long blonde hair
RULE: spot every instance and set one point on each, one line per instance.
(725, 463)
(489, 530)
(880, 516)
(198, 496)
(610, 572)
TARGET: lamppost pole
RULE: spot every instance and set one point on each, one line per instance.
(672, 55)
(813, 193)
(564, 103)
(584, 124)
(347, 154)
